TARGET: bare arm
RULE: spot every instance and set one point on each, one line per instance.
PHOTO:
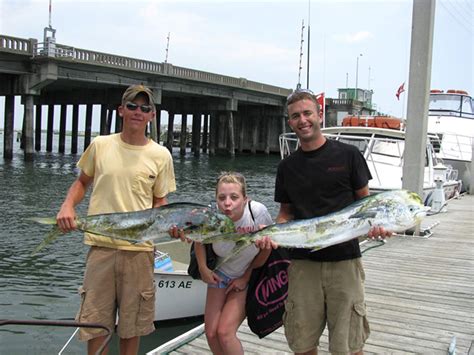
(284, 214)
(207, 275)
(67, 214)
(241, 282)
(362, 192)
(159, 201)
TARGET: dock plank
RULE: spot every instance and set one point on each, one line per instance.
(419, 293)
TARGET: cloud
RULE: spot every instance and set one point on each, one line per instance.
(356, 37)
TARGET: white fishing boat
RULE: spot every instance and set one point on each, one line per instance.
(178, 295)
(451, 118)
(383, 150)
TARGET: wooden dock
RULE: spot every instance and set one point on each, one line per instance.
(419, 294)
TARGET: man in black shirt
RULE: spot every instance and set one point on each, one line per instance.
(326, 286)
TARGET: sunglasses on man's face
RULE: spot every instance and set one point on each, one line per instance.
(144, 108)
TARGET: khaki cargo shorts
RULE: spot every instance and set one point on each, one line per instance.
(117, 282)
(326, 292)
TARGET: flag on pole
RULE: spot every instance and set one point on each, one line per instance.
(400, 90)
(322, 105)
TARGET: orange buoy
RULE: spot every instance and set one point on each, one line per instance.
(462, 92)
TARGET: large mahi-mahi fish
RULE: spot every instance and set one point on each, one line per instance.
(197, 220)
(396, 210)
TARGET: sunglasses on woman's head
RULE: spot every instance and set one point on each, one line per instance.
(144, 108)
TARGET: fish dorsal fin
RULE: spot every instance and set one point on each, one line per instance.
(364, 214)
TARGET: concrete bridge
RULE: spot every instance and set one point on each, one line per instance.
(228, 114)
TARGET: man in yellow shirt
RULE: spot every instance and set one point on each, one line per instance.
(128, 172)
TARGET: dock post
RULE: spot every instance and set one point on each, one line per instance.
(8, 127)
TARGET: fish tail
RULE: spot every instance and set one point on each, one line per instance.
(43, 220)
(52, 235)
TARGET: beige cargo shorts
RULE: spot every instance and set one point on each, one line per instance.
(323, 293)
(117, 283)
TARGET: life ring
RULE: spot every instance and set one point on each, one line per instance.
(462, 92)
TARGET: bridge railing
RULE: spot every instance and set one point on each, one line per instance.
(62, 52)
(16, 45)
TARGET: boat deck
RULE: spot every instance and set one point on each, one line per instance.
(419, 294)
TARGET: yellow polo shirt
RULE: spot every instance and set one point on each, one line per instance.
(126, 177)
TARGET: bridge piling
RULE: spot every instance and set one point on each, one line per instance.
(183, 136)
(88, 126)
(170, 134)
(38, 114)
(8, 127)
(27, 137)
(49, 129)
(65, 75)
(205, 133)
(62, 129)
(75, 128)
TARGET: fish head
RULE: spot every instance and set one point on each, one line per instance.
(218, 223)
(406, 209)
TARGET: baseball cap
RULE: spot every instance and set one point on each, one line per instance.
(132, 91)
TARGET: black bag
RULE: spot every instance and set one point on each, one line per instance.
(211, 260)
(267, 292)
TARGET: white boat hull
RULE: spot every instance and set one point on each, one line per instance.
(178, 295)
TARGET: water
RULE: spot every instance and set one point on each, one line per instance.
(44, 286)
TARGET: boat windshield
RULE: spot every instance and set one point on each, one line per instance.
(452, 105)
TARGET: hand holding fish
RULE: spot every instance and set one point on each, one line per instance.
(66, 218)
(379, 232)
(176, 232)
(266, 243)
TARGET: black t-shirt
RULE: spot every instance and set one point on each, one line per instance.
(320, 182)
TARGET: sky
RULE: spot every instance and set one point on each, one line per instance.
(261, 40)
